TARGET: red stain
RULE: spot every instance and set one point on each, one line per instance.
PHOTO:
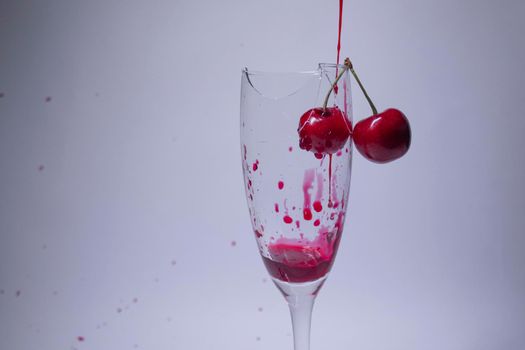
(290, 149)
(298, 224)
(255, 166)
(80, 338)
(233, 243)
(317, 222)
(287, 219)
(280, 185)
(318, 155)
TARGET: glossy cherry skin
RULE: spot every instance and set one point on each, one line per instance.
(323, 131)
(383, 137)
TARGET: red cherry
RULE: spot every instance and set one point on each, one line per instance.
(323, 131)
(383, 137)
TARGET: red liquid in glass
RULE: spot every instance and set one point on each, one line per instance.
(302, 260)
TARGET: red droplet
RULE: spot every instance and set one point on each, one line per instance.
(336, 204)
(290, 149)
(298, 224)
(318, 155)
(339, 153)
(80, 338)
(287, 219)
(276, 207)
(346, 149)
(233, 243)
(307, 214)
(255, 167)
(317, 222)
(280, 185)
(318, 206)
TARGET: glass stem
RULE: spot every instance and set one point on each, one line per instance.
(301, 311)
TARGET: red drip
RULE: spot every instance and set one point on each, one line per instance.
(307, 214)
(330, 181)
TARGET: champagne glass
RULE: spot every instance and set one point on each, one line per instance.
(297, 199)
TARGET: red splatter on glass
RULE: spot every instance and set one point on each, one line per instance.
(280, 184)
(276, 207)
(255, 166)
(287, 219)
(318, 206)
(317, 222)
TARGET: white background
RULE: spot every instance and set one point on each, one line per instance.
(127, 182)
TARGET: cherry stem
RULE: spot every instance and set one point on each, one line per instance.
(347, 66)
(374, 110)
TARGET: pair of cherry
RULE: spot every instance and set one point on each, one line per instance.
(381, 138)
